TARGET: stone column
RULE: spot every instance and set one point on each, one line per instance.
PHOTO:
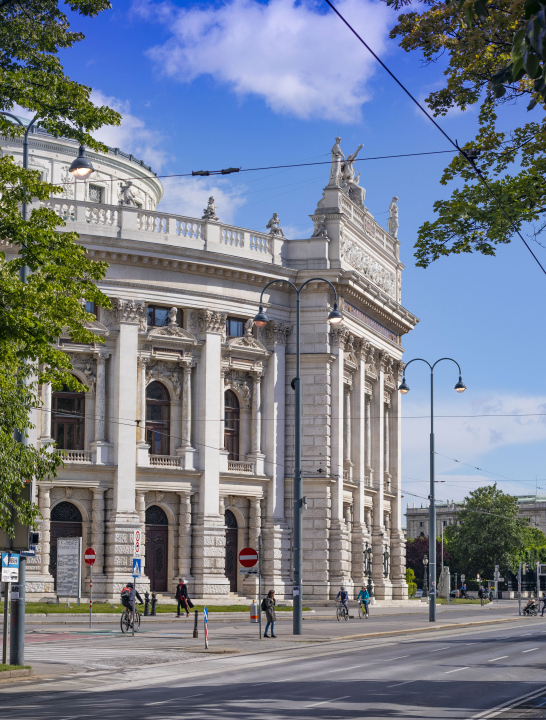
(184, 536)
(275, 532)
(46, 415)
(382, 586)
(398, 543)
(387, 460)
(143, 454)
(44, 503)
(250, 586)
(209, 533)
(100, 449)
(124, 520)
(186, 449)
(358, 455)
(256, 442)
(339, 555)
(347, 424)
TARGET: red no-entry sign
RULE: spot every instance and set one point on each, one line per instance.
(89, 556)
(248, 557)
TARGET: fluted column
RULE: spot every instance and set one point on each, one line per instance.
(186, 407)
(387, 461)
(46, 413)
(368, 433)
(184, 535)
(347, 428)
(256, 414)
(44, 503)
(100, 396)
(97, 529)
(142, 399)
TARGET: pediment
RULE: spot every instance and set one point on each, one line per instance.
(249, 344)
(172, 333)
(98, 327)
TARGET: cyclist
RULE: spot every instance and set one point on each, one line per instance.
(343, 597)
(128, 595)
(364, 598)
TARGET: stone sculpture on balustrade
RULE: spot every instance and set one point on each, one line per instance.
(274, 226)
(209, 213)
(392, 222)
(127, 194)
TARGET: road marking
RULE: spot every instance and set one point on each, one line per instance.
(404, 683)
(323, 702)
(499, 658)
(181, 697)
(531, 650)
(354, 667)
(438, 649)
(396, 658)
(457, 670)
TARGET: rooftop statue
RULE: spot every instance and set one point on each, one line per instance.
(210, 210)
(342, 173)
(392, 222)
(335, 170)
(321, 230)
(127, 194)
(274, 227)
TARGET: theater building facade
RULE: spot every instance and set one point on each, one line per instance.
(186, 431)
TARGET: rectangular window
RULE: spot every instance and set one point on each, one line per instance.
(235, 327)
(90, 307)
(420, 524)
(95, 193)
(159, 316)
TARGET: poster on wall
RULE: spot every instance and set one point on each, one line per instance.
(69, 570)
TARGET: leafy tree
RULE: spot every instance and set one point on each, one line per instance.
(534, 549)
(489, 532)
(488, 65)
(410, 579)
(33, 314)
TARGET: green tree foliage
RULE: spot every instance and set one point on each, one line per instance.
(488, 46)
(534, 549)
(33, 314)
(410, 579)
(489, 533)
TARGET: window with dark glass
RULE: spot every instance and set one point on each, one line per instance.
(235, 327)
(231, 425)
(90, 307)
(159, 316)
(158, 417)
(68, 419)
(95, 193)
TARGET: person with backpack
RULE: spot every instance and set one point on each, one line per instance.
(268, 606)
(482, 595)
(182, 597)
(128, 596)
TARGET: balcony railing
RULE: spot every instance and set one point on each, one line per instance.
(171, 461)
(241, 466)
(75, 456)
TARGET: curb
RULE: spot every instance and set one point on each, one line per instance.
(7, 674)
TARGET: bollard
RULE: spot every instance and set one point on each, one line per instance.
(254, 612)
(154, 603)
(146, 603)
(195, 630)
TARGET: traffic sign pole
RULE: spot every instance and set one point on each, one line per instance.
(90, 596)
(17, 629)
(7, 589)
(260, 583)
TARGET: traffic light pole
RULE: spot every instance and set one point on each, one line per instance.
(17, 624)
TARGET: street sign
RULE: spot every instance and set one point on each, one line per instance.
(28, 553)
(478, 577)
(206, 614)
(136, 567)
(248, 571)
(137, 547)
(206, 623)
(248, 557)
(89, 556)
(500, 579)
(463, 577)
(10, 567)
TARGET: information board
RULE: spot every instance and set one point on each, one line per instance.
(69, 561)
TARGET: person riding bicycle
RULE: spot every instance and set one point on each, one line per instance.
(128, 595)
(363, 597)
(343, 597)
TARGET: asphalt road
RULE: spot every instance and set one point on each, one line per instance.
(455, 674)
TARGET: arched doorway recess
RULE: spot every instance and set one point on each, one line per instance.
(157, 536)
(231, 549)
(66, 521)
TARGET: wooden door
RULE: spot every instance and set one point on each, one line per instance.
(156, 557)
(231, 550)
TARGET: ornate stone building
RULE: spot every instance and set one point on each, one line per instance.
(187, 429)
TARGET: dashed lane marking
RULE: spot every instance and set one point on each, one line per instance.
(324, 702)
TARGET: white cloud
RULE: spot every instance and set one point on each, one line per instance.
(189, 196)
(301, 60)
(132, 136)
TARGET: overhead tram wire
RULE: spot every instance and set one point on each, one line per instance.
(464, 154)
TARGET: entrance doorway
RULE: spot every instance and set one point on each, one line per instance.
(155, 565)
(66, 521)
(231, 550)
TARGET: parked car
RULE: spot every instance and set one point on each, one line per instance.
(418, 593)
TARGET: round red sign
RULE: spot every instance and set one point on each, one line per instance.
(248, 557)
(89, 556)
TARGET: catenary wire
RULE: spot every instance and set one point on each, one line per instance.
(472, 164)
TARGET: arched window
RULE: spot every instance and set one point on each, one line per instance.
(66, 521)
(231, 426)
(68, 419)
(158, 416)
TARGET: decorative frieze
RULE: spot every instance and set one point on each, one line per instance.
(353, 254)
(161, 370)
(86, 365)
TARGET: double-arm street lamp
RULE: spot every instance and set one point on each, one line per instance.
(261, 320)
(460, 387)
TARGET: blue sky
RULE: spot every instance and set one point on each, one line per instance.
(247, 83)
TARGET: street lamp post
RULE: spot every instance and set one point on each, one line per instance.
(368, 568)
(261, 320)
(460, 387)
(425, 576)
(81, 168)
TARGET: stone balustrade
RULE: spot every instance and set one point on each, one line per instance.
(75, 456)
(171, 461)
(89, 218)
(241, 466)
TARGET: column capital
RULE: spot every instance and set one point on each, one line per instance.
(339, 336)
(132, 312)
(211, 321)
(276, 333)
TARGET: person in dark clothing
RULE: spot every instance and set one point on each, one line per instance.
(482, 595)
(182, 597)
(128, 596)
(270, 613)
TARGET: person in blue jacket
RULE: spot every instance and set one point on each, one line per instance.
(343, 597)
(364, 597)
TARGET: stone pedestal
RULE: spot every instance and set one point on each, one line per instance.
(209, 541)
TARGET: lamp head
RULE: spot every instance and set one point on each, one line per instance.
(404, 388)
(335, 317)
(81, 167)
(261, 318)
(460, 387)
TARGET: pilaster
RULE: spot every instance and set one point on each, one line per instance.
(100, 448)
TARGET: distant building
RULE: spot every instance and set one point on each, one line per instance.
(532, 507)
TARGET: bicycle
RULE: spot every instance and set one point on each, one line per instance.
(363, 610)
(342, 612)
(125, 620)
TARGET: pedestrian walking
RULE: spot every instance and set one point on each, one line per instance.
(544, 605)
(182, 597)
(269, 603)
(481, 595)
